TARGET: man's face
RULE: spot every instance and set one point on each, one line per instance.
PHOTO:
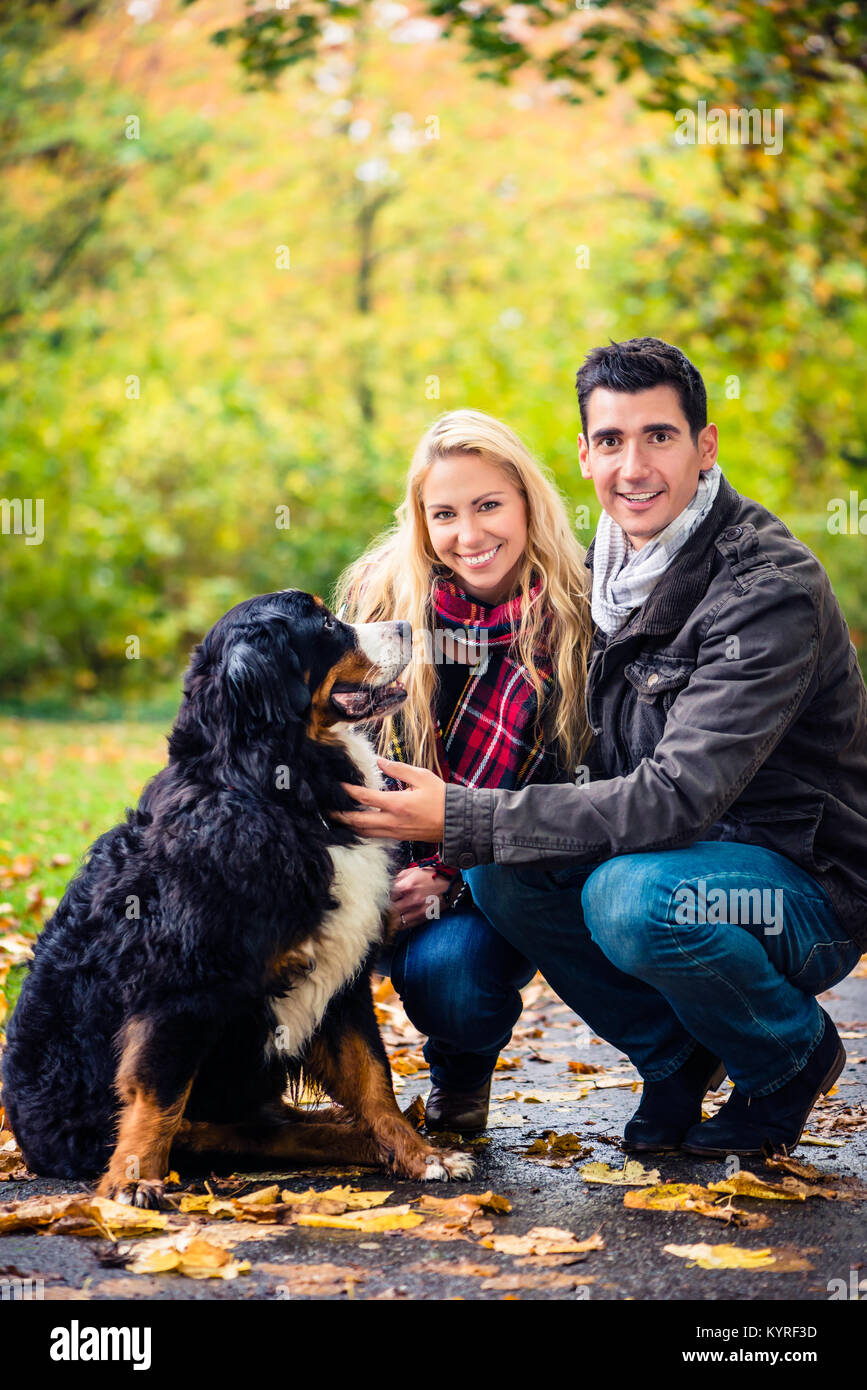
(642, 459)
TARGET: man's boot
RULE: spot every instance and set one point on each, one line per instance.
(753, 1125)
(671, 1107)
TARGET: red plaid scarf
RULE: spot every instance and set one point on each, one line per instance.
(492, 738)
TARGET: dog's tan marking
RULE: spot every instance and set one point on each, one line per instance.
(353, 667)
(287, 968)
(358, 1079)
(146, 1127)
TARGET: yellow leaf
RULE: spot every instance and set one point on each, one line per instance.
(195, 1201)
(544, 1240)
(391, 1219)
(198, 1259)
(632, 1174)
(155, 1262)
(351, 1198)
(744, 1184)
(264, 1196)
(690, 1197)
(80, 1215)
(731, 1257)
(464, 1207)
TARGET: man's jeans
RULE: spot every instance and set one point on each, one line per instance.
(460, 983)
(634, 946)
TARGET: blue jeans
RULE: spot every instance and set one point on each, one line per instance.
(460, 983)
(653, 951)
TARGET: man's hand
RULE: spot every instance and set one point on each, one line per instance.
(416, 813)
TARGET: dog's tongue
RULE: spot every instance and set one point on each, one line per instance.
(355, 703)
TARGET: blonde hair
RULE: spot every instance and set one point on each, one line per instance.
(395, 578)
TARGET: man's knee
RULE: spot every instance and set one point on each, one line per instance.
(621, 909)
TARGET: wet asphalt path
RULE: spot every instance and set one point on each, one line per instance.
(402, 1265)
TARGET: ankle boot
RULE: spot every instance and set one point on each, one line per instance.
(671, 1107)
(754, 1125)
(465, 1112)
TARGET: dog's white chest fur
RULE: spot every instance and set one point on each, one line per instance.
(362, 887)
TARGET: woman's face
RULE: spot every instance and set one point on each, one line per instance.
(477, 522)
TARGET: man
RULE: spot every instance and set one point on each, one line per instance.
(710, 879)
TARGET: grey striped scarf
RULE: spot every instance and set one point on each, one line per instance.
(622, 577)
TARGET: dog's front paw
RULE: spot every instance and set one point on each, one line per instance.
(443, 1164)
(147, 1192)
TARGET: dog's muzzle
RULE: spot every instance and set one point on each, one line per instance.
(388, 648)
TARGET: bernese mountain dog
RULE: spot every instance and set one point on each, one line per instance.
(215, 948)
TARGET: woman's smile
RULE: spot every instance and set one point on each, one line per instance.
(482, 557)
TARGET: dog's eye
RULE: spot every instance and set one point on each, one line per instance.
(328, 624)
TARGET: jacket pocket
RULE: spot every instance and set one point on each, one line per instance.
(788, 829)
(654, 683)
(659, 678)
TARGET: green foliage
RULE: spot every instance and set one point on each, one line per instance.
(60, 787)
(172, 387)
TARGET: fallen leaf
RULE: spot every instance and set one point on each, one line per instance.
(390, 1219)
(690, 1197)
(15, 948)
(632, 1174)
(732, 1257)
(794, 1166)
(452, 1269)
(745, 1184)
(464, 1207)
(415, 1113)
(544, 1240)
(408, 1065)
(263, 1196)
(538, 1281)
(793, 1189)
(553, 1145)
(197, 1259)
(585, 1068)
(612, 1083)
(452, 1228)
(80, 1214)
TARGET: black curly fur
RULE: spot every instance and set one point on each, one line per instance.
(178, 911)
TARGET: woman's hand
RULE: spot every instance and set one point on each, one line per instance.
(411, 895)
(414, 814)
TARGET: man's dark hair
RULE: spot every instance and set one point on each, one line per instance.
(638, 365)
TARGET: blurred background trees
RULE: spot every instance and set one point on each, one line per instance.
(247, 253)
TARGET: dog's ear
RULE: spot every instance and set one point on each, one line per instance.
(259, 693)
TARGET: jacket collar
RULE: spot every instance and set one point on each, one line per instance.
(676, 594)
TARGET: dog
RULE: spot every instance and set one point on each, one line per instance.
(215, 948)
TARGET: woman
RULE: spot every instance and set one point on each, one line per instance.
(485, 566)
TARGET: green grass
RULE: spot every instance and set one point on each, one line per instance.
(61, 785)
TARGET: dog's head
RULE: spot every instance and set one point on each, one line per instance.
(284, 660)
